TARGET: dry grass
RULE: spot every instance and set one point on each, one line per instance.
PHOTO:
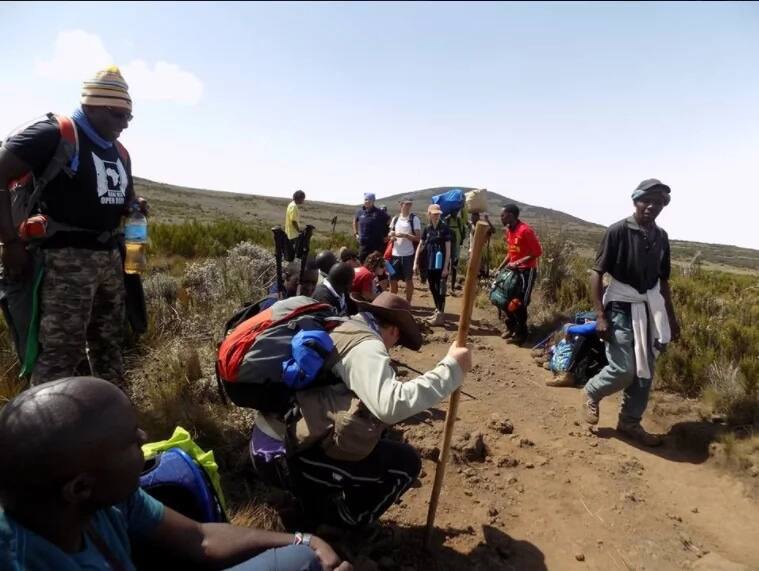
(738, 451)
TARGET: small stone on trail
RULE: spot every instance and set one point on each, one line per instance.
(428, 452)
(500, 423)
(674, 517)
(526, 443)
(630, 497)
(694, 510)
(469, 448)
(529, 465)
(580, 556)
(492, 512)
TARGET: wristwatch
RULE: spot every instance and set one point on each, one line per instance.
(302, 539)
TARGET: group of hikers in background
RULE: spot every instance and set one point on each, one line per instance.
(312, 357)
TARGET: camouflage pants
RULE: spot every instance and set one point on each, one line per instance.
(82, 307)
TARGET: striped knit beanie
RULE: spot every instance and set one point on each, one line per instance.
(107, 89)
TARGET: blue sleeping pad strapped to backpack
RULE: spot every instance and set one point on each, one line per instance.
(449, 201)
(310, 349)
(176, 480)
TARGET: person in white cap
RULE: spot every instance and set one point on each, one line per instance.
(405, 232)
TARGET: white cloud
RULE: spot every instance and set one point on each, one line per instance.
(78, 54)
(162, 82)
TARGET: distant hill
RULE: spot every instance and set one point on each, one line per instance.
(174, 204)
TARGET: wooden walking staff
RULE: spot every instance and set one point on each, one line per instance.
(470, 290)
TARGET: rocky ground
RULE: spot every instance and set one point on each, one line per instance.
(529, 487)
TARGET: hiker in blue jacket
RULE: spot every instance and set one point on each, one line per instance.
(72, 457)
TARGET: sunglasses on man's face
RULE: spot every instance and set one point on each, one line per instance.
(654, 201)
(119, 114)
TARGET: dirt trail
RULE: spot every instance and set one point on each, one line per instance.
(552, 495)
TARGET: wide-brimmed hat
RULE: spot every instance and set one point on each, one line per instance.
(394, 309)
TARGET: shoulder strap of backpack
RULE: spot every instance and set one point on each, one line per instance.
(123, 153)
(67, 149)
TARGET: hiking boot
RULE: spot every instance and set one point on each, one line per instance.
(517, 340)
(590, 409)
(507, 334)
(565, 379)
(636, 432)
(438, 319)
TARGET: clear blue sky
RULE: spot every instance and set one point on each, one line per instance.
(563, 105)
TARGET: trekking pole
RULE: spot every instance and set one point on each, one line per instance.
(332, 235)
(470, 290)
(278, 253)
(303, 250)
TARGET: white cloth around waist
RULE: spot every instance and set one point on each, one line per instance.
(656, 318)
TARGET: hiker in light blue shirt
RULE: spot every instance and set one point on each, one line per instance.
(71, 502)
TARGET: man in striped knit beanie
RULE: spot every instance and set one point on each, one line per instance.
(82, 296)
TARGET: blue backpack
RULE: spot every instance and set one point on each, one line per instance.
(449, 201)
(177, 481)
(562, 356)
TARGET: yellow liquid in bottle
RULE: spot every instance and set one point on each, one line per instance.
(136, 260)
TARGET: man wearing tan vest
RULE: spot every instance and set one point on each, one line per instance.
(341, 469)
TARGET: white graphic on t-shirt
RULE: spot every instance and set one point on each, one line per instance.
(113, 177)
(112, 180)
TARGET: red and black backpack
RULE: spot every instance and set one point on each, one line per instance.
(249, 362)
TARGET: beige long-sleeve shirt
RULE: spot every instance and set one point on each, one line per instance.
(366, 371)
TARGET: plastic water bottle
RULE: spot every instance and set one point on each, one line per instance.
(136, 238)
(389, 269)
(439, 261)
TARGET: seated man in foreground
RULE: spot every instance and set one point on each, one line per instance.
(71, 499)
(342, 470)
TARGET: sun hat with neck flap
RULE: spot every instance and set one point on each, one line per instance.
(107, 89)
(393, 309)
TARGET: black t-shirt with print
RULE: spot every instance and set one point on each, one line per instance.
(94, 198)
(434, 240)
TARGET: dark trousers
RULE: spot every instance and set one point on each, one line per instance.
(437, 288)
(517, 321)
(365, 249)
(353, 494)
